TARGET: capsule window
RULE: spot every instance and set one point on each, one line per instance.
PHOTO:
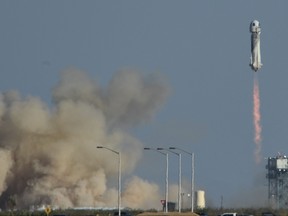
(253, 24)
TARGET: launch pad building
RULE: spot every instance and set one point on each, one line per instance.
(277, 176)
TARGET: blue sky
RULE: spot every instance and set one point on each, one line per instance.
(201, 47)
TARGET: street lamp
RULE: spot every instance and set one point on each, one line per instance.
(179, 179)
(166, 191)
(192, 174)
(119, 176)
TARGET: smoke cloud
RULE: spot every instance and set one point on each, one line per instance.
(257, 118)
(48, 154)
(254, 196)
(139, 192)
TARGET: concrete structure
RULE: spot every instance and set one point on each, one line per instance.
(200, 199)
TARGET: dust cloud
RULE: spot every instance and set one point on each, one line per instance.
(48, 153)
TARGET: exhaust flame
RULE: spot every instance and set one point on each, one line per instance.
(257, 118)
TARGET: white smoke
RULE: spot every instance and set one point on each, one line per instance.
(142, 193)
(6, 164)
(48, 154)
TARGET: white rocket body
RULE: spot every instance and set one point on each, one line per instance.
(255, 61)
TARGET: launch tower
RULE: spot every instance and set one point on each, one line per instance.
(278, 181)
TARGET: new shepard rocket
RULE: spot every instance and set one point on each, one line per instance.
(255, 61)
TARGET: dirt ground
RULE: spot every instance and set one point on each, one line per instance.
(168, 214)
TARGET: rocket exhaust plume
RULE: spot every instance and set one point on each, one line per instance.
(257, 119)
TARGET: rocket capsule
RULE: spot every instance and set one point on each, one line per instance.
(255, 26)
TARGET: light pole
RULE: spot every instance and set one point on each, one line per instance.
(166, 190)
(179, 178)
(119, 176)
(192, 174)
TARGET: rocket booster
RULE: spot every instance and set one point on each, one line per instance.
(255, 61)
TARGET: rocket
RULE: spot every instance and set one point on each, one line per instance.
(255, 60)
